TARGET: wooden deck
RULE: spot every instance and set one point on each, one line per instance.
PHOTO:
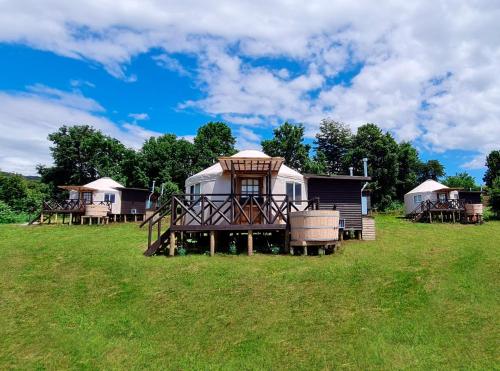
(221, 212)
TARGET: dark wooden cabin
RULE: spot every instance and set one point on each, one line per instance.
(134, 201)
(470, 197)
(343, 191)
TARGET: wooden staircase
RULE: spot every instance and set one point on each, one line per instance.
(368, 229)
(157, 239)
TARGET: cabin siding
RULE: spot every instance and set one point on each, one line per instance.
(134, 199)
(345, 194)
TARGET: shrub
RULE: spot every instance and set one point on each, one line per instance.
(7, 215)
(232, 248)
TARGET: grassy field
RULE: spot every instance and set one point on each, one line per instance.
(420, 297)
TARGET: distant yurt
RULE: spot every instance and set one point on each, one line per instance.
(428, 190)
(214, 180)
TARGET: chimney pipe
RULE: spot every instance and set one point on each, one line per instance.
(351, 170)
(365, 166)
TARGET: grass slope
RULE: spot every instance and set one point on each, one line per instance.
(421, 297)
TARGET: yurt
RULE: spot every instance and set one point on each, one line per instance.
(217, 180)
(428, 190)
(102, 189)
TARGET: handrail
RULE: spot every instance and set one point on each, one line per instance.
(71, 204)
(159, 210)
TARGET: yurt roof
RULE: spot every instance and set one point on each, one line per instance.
(216, 170)
(104, 184)
(428, 186)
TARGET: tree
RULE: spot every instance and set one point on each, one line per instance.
(82, 154)
(133, 169)
(431, 169)
(492, 167)
(20, 194)
(382, 153)
(460, 180)
(212, 141)
(287, 142)
(408, 169)
(494, 193)
(168, 159)
(333, 141)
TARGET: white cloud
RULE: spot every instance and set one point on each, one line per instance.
(139, 116)
(26, 119)
(404, 50)
(247, 139)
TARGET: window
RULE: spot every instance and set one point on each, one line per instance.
(294, 191)
(250, 186)
(195, 189)
(109, 197)
(442, 197)
(87, 197)
(417, 199)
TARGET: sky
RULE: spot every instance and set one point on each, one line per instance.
(427, 71)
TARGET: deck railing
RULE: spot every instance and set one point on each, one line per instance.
(219, 209)
(71, 205)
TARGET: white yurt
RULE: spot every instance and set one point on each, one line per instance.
(428, 190)
(214, 180)
(102, 189)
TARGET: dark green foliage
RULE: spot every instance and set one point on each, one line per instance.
(7, 215)
(382, 153)
(288, 142)
(431, 169)
(461, 180)
(212, 141)
(333, 143)
(20, 194)
(492, 167)
(82, 154)
(408, 169)
(494, 193)
(167, 159)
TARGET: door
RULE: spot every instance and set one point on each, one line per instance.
(246, 187)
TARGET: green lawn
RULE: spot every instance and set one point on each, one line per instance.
(80, 297)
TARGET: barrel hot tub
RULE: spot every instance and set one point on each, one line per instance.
(314, 227)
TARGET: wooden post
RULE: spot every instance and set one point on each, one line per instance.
(453, 217)
(56, 218)
(287, 241)
(114, 217)
(212, 243)
(70, 218)
(41, 218)
(171, 251)
(250, 243)
(135, 217)
(64, 218)
(305, 250)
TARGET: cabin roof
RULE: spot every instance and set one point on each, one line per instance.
(428, 186)
(338, 177)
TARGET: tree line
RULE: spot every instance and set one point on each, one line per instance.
(82, 154)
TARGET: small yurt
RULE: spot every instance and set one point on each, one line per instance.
(217, 180)
(102, 189)
(428, 190)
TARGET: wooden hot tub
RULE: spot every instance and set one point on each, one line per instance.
(314, 227)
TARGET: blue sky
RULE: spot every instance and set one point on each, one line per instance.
(427, 74)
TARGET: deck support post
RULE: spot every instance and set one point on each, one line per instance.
(171, 251)
(287, 241)
(305, 250)
(453, 217)
(41, 218)
(70, 218)
(250, 243)
(212, 243)
(56, 218)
